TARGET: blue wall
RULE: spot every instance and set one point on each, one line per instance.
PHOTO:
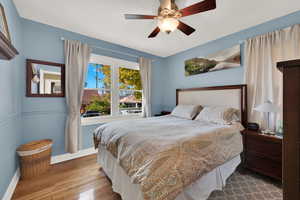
(24, 119)
(173, 74)
(45, 117)
(11, 87)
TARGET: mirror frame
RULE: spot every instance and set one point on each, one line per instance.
(29, 77)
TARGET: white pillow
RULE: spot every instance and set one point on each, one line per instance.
(186, 111)
(218, 114)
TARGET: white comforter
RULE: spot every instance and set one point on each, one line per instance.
(165, 154)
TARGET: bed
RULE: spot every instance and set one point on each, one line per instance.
(167, 158)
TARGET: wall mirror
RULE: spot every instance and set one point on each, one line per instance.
(45, 79)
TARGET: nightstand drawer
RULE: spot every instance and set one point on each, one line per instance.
(263, 153)
(264, 165)
(261, 146)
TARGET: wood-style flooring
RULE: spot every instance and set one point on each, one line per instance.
(81, 179)
(78, 179)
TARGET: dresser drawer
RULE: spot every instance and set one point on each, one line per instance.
(261, 146)
(264, 165)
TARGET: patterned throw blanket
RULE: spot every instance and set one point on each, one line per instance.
(166, 154)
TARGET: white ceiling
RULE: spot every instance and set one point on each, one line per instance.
(103, 19)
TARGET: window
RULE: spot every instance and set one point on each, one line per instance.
(130, 91)
(96, 99)
(111, 89)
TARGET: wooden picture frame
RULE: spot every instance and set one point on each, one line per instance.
(30, 76)
(3, 23)
(7, 50)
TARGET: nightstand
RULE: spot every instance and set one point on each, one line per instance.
(263, 153)
(162, 113)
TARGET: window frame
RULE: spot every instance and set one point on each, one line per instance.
(114, 64)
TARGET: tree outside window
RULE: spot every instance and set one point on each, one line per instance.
(97, 98)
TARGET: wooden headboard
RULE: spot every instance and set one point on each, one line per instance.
(230, 95)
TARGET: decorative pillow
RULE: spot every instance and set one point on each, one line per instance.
(218, 114)
(186, 111)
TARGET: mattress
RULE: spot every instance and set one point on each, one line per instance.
(199, 190)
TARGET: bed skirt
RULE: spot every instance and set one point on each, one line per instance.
(199, 190)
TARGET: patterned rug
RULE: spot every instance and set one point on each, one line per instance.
(249, 186)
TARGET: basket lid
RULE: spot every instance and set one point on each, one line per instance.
(34, 145)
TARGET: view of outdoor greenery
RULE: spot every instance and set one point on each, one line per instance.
(97, 95)
(130, 79)
(130, 86)
(100, 104)
(103, 74)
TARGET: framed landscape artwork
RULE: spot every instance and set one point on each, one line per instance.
(225, 59)
(3, 23)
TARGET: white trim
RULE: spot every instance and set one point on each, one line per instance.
(129, 90)
(49, 72)
(113, 61)
(42, 83)
(115, 99)
(69, 156)
(12, 186)
(54, 160)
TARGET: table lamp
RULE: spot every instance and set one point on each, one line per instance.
(268, 107)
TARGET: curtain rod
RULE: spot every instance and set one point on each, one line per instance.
(114, 51)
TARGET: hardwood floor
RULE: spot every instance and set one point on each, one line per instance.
(78, 179)
(81, 179)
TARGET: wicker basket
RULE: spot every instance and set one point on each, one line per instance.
(35, 158)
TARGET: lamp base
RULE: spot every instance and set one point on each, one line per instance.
(268, 132)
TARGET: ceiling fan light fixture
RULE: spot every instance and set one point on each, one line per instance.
(169, 15)
(168, 24)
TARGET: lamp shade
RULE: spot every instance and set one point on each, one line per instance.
(268, 106)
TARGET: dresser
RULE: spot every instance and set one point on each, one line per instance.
(263, 154)
(291, 128)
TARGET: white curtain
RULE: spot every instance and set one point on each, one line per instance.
(145, 71)
(77, 56)
(262, 77)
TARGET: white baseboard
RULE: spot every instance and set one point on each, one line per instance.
(54, 160)
(12, 186)
(69, 156)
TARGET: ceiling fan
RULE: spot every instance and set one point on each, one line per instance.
(169, 15)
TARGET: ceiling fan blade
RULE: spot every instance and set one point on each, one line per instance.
(199, 7)
(165, 4)
(154, 33)
(132, 16)
(186, 29)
